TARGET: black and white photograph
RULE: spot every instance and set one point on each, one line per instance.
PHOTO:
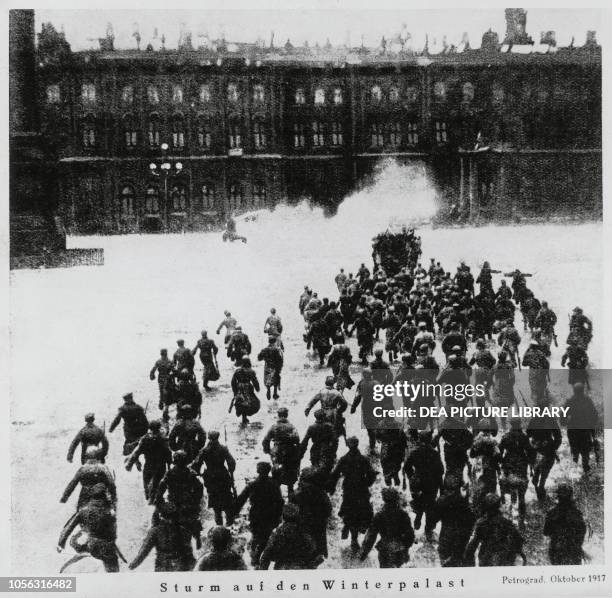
(240, 237)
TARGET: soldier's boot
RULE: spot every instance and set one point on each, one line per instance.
(417, 520)
(275, 393)
(268, 395)
(345, 532)
(522, 512)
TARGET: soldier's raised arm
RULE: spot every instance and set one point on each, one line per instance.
(147, 545)
(153, 370)
(115, 421)
(68, 529)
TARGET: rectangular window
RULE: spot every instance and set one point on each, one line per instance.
(153, 94)
(88, 93)
(232, 92)
(89, 136)
(204, 136)
(131, 138)
(178, 139)
(127, 95)
(235, 197)
(338, 99)
(395, 134)
(336, 136)
(205, 93)
(299, 138)
(441, 132)
(259, 195)
(208, 197)
(235, 138)
(300, 96)
(319, 96)
(412, 133)
(259, 135)
(376, 135)
(177, 94)
(154, 134)
(318, 134)
(53, 94)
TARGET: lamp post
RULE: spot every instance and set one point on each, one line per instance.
(165, 169)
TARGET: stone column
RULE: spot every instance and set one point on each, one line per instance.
(473, 189)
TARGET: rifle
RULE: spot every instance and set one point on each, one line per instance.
(232, 404)
(234, 493)
(554, 336)
(523, 397)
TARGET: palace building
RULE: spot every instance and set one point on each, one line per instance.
(160, 139)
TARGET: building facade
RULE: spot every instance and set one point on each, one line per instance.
(154, 140)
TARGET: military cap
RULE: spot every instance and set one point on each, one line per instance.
(220, 537)
(155, 425)
(330, 381)
(352, 442)
(89, 417)
(128, 396)
(264, 468)
(390, 495)
(283, 412)
(213, 435)
(491, 502)
(319, 414)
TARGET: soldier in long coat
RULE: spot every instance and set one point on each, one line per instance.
(282, 443)
(272, 357)
(244, 385)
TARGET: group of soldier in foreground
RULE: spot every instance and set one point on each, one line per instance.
(454, 468)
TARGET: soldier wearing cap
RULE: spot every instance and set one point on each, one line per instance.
(89, 435)
(208, 355)
(581, 329)
(266, 508)
(244, 386)
(499, 540)
(582, 421)
(282, 443)
(98, 533)
(171, 541)
(183, 359)
(229, 323)
(565, 526)
(424, 470)
(238, 346)
(324, 443)
(165, 370)
(365, 334)
(272, 356)
(218, 477)
(364, 397)
(290, 546)
(135, 423)
(392, 524)
(332, 403)
(358, 475)
(92, 472)
(315, 507)
(185, 491)
(187, 391)
(153, 446)
(222, 557)
(187, 434)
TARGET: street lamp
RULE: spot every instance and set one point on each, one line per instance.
(165, 169)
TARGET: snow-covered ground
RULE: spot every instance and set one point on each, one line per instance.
(82, 337)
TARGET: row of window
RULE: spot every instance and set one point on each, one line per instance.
(322, 134)
(320, 95)
(178, 199)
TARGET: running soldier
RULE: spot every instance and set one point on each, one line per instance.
(324, 443)
(135, 424)
(545, 437)
(392, 524)
(285, 450)
(272, 357)
(332, 403)
(165, 370)
(221, 557)
(582, 422)
(183, 359)
(266, 508)
(229, 323)
(244, 386)
(89, 435)
(187, 435)
(356, 509)
(208, 357)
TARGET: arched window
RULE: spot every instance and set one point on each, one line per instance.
(299, 135)
(89, 132)
(412, 131)
(468, 92)
(178, 131)
(203, 133)
(154, 126)
(152, 94)
(300, 96)
(439, 90)
(395, 134)
(178, 197)
(319, 96)
(338, 98)
(337, 137)
(318, 134)
(441, 131)
(130, 135)
(259, 94)
(152, 201)
(127, 95)
(208, 197)
(177, 94)
(376, 94)
(376, 135)
(234, 196)
(126, 207)
(394, 94)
